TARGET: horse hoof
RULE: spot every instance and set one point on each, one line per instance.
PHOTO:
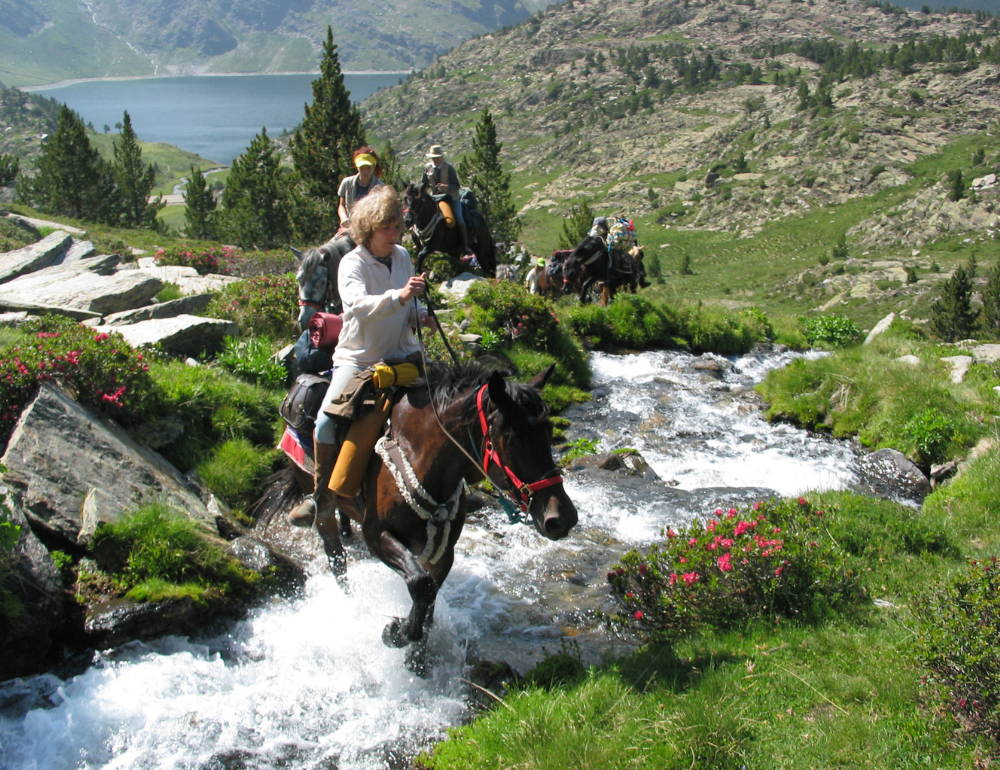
(344, 583)
(391, 636)
(338, 564)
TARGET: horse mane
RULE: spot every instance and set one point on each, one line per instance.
(449, 382)
(311, 259)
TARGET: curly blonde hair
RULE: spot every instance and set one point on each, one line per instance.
(378, 208)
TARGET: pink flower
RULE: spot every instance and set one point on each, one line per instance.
(777, 572)
(671, 534)
(683, 560)
(742, 527)
(711, 526)
(642, 569)
(673, 578)
(756, 506)
(630, 595)
(100, 337)
(724, 563)
(693, 541)
(638, 615)
(731, 513)
(726, 543)
(802, 501)
(718, 512)
(690, 578)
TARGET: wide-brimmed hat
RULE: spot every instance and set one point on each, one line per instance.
(436, 151)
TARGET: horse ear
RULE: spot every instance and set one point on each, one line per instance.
(498, 391)
(539, 380)
(296, 252)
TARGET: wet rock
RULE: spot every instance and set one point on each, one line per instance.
(37, 256)
(59, 452)
(27, 638)
(116, 621)
(712, 366)
(890, 474)
(161, 433)
(943, 472)
(488, 682)
(268, 560)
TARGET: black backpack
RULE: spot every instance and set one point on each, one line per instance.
(301, 405)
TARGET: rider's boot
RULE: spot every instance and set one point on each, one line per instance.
(470, 255)
(322, 497)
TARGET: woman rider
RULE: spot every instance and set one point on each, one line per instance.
(377, 286)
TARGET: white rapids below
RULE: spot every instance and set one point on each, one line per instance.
(305, 682)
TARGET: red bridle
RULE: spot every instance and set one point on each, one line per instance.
(491, 454)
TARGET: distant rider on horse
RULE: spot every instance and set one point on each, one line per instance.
(531, 281)
(441, 179)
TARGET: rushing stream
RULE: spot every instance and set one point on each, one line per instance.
(307, 683)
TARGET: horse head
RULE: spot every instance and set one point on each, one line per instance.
(522, 439)
(411, 198)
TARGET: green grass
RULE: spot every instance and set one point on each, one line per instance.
(847, 693)
(172, 163)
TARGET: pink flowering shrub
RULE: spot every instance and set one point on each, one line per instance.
(215, 260)
(262, 306)
(102, 371)
(510, 310)
(959, 625)
(766, 561)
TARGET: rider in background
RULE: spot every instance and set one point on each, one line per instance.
(352, 190)
(442, 179)
(531, 281)
(377, 286)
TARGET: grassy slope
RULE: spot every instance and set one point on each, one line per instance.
(844, 694)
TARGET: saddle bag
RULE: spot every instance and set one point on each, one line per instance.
(301, 404)
(309, 358)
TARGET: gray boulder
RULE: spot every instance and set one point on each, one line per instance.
(457, 287)
(191, 305)
(34, 257)
(26, 639)
(74, 470)
(185, 335)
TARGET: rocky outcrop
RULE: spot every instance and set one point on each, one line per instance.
(185, 335)
(73, 470)
(34, 257)
(191, 305)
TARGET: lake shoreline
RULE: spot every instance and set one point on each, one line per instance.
(115, 78)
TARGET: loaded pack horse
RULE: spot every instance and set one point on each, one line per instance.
(592, 265)
(457, 426)
(431, 233)
(317, 278)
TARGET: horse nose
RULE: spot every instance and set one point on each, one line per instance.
(559, 517)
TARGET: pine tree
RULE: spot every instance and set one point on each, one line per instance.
(72, 179)
(392, 174)
(991, 302)
(9, 168)
(199, 207)
(576, 227)
(254, 202)
(134, 181)
(330, 131)
(952, 316)
(957, 190)
(484, 173)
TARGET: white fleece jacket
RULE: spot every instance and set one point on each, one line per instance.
(376, 326)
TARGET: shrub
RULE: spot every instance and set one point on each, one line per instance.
(773, 559)
(930, 433)
(580, 447)
(214, 260)
(156, 547)
(265, 305)
(253, 360)
(834, 330)
(952, 316)
(957, 643)
(711, 331)
(102, 371)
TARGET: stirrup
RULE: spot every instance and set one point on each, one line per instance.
(303, 514)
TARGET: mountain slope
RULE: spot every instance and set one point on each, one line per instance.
(47, 40)
(617, 102)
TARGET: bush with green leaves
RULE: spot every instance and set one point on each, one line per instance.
(930, 433)
(959, 625)
(772, 559)
(264, 305)
(157, 552)
(252, 359)
(102, 371)
(836, 331)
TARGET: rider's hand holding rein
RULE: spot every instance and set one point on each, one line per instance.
(415, 286)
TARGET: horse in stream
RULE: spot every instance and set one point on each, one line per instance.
(431, 233)
(457, 425)
(591, 265)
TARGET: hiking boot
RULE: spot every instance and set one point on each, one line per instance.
(303, 514)
(321, 500)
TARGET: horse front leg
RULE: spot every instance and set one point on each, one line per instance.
(423, 590)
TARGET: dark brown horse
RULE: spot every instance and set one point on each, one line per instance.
(430, 233)
(590, 265)
(460, 425)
